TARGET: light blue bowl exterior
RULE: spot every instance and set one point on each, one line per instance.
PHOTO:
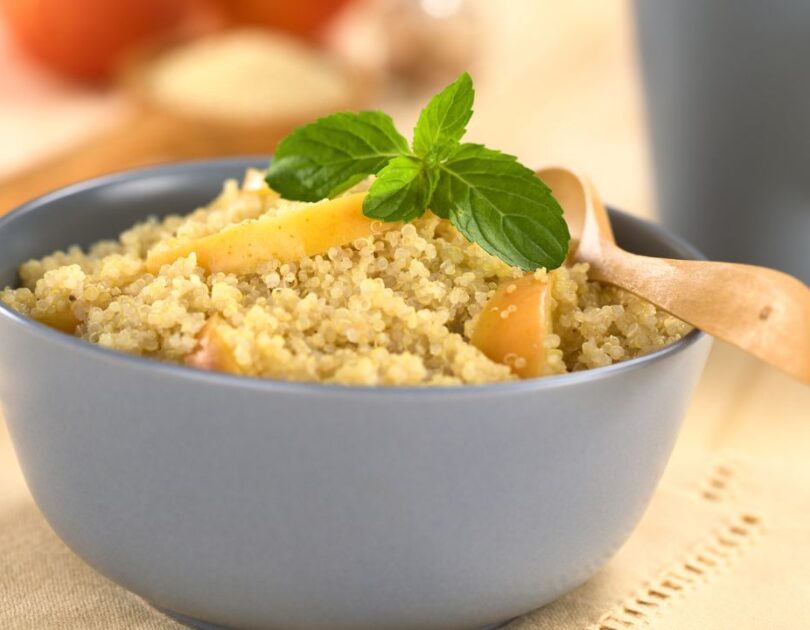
(264, 504)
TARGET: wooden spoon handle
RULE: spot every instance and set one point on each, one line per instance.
(763, 311)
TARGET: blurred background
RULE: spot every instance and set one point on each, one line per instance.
(91, 86)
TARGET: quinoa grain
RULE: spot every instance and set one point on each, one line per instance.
(394, 308)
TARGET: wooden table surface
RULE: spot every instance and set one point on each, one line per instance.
(575, 92)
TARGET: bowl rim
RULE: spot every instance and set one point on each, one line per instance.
(268, 385)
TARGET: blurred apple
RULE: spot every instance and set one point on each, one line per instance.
(305, 18)
(85, 39)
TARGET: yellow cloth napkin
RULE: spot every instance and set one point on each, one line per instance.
(725, 544)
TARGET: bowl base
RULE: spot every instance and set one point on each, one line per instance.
(190, 622)
(204, 625)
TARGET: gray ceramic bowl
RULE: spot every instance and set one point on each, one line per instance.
(265, 504)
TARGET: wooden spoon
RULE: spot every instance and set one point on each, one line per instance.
(762, 311)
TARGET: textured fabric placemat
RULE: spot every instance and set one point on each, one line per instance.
(725, 544)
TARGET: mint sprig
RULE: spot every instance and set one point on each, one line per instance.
(490, 197)
(443, 122)
(326, 157)
(400, 192)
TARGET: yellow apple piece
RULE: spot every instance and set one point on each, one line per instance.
(513, 325)
(305, 231)
(254, 182)
(63, 320)
(213, 352)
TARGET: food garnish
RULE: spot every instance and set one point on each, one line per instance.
(490, 197)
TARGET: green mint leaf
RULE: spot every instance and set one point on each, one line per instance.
(328, 156)
(400, 192)
(444, 120)
(489, 196)
(500, 204)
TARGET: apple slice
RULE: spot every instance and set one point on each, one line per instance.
(254, 182)
(63, 320)
(288, 237)
(513, 325)
(213, 353)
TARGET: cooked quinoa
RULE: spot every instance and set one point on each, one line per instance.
(396, 308)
